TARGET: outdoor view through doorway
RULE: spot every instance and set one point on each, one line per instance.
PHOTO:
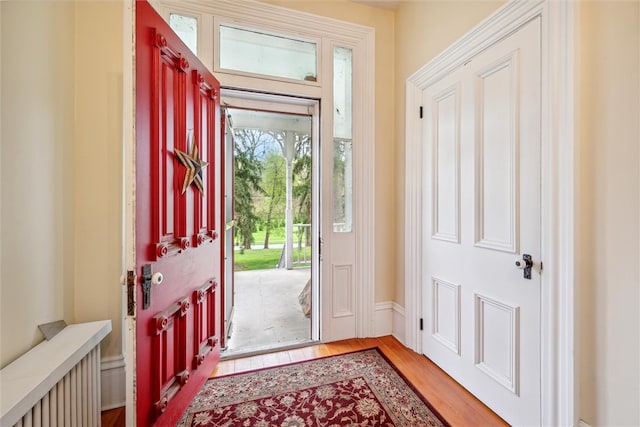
(269, 230)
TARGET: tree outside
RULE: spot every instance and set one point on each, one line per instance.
(248, 175)
(270, 207)
(260, 187)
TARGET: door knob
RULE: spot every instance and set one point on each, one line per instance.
(157, 278)
(525, 263)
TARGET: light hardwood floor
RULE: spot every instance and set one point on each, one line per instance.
(451, 400)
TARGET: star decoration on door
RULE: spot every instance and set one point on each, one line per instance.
(193, 164)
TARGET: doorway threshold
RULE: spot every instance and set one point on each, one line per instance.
(265, 349)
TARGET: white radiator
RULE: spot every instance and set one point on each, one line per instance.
(57, 383)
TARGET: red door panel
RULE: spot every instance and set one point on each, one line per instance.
(179, 196)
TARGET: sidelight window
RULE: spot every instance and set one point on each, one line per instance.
(342, 140)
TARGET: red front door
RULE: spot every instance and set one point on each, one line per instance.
(179, 222)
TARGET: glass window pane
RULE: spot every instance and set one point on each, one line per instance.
(342, 186)
(342, 92)
(342, 140)
(255, 52)
(186, 27)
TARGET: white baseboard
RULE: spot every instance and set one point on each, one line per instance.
(384, 318)
(389, 320)
(398, 323)
(112, 382)
(581, 423)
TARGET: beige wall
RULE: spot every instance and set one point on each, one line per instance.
(98, 164)
(608, 214)
(37, 171)
(385, 192)
(60, 169)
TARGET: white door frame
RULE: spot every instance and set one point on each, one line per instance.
(129, 204)
(303, 106)
(559, 26)
(327, 32)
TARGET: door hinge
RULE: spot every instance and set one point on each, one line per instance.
(131, 288)
(421, 111)
(421, 324)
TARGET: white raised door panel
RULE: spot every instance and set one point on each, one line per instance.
(343, 291)
(497, 341)
(446, 314)
(497, 112)
(445, 111)
(481, 139)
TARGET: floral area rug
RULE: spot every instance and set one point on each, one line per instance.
(355, 389)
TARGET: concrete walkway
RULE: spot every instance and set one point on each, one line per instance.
(267, 313)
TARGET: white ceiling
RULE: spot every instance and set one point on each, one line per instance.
(382, 4)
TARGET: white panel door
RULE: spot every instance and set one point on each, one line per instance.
(482, 212)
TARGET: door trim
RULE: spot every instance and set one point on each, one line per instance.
(559, 405)
(274, 103)
(358, 37)
(129, 203)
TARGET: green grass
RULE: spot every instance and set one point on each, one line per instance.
(262, 259)
(276, 235)
(256, 259)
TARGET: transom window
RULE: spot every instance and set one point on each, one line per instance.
(258, 52)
